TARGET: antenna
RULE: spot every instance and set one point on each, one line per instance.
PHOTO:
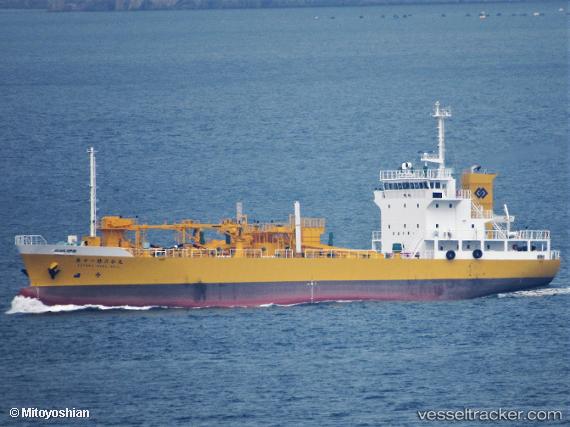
(93, 193)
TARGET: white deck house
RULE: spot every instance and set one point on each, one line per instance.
(425, 215)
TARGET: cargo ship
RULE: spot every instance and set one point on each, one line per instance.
(439, 240)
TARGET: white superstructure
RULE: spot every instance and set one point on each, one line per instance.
(425, 215)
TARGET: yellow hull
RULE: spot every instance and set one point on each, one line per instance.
(86, 271)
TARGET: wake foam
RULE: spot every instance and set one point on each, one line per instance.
(25, 305)
(546, 292)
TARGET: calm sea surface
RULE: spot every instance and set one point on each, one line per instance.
(193, 111)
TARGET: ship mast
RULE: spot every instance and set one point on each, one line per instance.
(93, 193)
(440, 113)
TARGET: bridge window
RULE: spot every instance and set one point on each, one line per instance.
(417, 226)
(450, 206)
(472, 225)
(399, 185)
(404, 225)
(437, 226)
(418, 205)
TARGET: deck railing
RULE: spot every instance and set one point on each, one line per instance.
(252, 253)
(30, 239)
(518, 235)
(339, 253)
(416, 174)
(307, 222)
(283, 253)
(533, 234)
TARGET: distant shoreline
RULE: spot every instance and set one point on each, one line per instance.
(140, 5)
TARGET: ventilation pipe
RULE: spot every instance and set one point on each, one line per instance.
(298, 248)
